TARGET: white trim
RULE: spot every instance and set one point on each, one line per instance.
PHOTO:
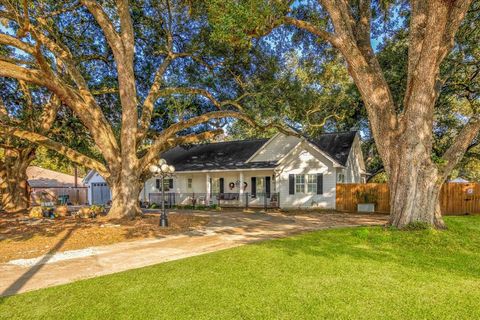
(226, 170)
(334, 162)
(262, 147)
(89, 175)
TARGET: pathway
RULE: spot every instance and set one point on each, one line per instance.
(225, 230)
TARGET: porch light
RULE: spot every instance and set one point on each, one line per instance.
(163, 170)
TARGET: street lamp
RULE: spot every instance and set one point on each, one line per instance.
(162, 170)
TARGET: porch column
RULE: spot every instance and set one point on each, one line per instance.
(240, 184)
(208, 188)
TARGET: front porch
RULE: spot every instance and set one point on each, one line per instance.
(246, 188)
(225, 200)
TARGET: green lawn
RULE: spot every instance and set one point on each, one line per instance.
(366, 273)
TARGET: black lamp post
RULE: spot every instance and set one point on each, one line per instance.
(163, 170)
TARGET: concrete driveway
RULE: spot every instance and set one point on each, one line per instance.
(226, 229)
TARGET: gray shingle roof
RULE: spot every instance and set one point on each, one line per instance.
(337, 145)
(217, 156)
(234, 154)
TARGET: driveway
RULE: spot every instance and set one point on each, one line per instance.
(226, 229)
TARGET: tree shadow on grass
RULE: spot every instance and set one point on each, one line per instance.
(25, 277)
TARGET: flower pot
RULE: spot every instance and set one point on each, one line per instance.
(366, 207)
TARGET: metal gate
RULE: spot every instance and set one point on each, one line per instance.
(100, 193)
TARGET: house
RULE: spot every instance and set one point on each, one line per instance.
(286, 171)
(98, 190)
(53, 186)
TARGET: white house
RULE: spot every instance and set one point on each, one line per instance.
(284, 171)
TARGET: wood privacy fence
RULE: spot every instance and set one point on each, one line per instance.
(455, 198)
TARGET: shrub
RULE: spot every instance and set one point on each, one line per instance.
(36, 212)
(84, 212)
(366, 197)
(61, 211)
(96, 209)
(153, 206)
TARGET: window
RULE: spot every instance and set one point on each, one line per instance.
(341, 177)
(299, 183)
(311, 183)
(189, 183)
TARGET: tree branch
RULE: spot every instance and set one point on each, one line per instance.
(459, 146)
(305, 25)
(172, 142)
(14, 42)
(114, 40)
(69, 153)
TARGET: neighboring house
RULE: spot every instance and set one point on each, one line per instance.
(98, 190)
(289, 171)
(52, 186)
(459, 180)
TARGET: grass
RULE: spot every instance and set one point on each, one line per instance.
(360, 273)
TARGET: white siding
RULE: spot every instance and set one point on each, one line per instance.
(96, 178)
(276, 148)
(306, 160)
(355, 165)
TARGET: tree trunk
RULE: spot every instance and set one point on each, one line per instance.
(15, 195)
(414, 187)
(125, 197)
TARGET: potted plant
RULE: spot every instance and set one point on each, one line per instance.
(366, 201)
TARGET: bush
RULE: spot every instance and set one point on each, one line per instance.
(366, 197)
(96, 209)
(36, 212)
(61, 211)
(153, 206)
(84, 212)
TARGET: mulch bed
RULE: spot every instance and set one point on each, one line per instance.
(22, 237)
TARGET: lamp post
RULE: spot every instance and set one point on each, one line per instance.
(162, 170)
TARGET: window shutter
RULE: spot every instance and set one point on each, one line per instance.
(170, 183)
(319, 183)
(254, 187)
(222, 185)
(267, 186)
(291, 184)
(157, 184)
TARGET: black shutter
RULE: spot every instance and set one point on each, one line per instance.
(291, 184)
(222, 185)
(157, 184)
(170, 184)
(254, 187)
(319, 183)
(267, 186)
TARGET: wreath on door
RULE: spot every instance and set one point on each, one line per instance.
(231, 185)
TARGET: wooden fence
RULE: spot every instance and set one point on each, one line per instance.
(455, 198)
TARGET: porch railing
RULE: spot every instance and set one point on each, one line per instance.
(234, 200)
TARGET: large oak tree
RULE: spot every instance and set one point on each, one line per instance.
(146, 55)
(403, 134)
(17, 154)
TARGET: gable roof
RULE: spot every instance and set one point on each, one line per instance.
(236, 154)
(337, 145)
(45, 178)
(217, 156)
